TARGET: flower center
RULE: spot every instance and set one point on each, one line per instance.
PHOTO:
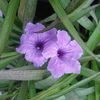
(39, 46)
(60, 53)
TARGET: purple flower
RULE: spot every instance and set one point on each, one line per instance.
(64, 56)
(33, 44)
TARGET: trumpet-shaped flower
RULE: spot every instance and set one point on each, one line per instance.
(33, 44)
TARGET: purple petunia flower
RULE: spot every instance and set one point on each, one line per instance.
(64, 56)
(33, 44)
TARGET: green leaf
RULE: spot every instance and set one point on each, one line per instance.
(45, 83)
(88, 72)
(86, 23)
(61, 83)
(27, 10)
(97, 84)
(8, 54)
(87, 58)
(22, 74)
(64, 3)
(23, 91)
(80, 83)
(61, 98)
(79, 93)
(8, 23)
(6, 61)
(94, 38)
(98, 12)
(31, 88)
(94, 16)
(3, 6)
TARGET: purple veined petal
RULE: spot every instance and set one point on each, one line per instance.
(24, 48)
(50, 50)
(63, 38)
(37, 60)
(31, 28)
(29, 38)
(73, 66)
(56, 67)
(24, 38)
(52, 34)
(38, 27)
(74, 50)
(48, 35)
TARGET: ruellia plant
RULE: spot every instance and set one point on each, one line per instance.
(49, 49)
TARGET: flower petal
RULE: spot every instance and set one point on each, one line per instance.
(48, 35)
(24, 38)
(50, 50)
(37, 60)
(31, 28)
(38, 27)
(24, 48)
(50, 46)
(63, 38)
(56, 67)
(73, 66)
(74, 50)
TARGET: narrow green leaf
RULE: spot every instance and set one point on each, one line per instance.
(8, 54)
(91, 97)
(55, 88)
(8, 23)
(86, 23)
(5, 96)
(21, 9)
(28, 14)
(45, 83)
(88, 72)
(98, 13)
(31, 88)
(22, 74)
(64, 3)
(3, 6)
(94, 38)
(79, 93)
(87, 58)
(66, 90)
(6, 61)
(94, 16)
(97, 84)
(23, 92)
(14, 26)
